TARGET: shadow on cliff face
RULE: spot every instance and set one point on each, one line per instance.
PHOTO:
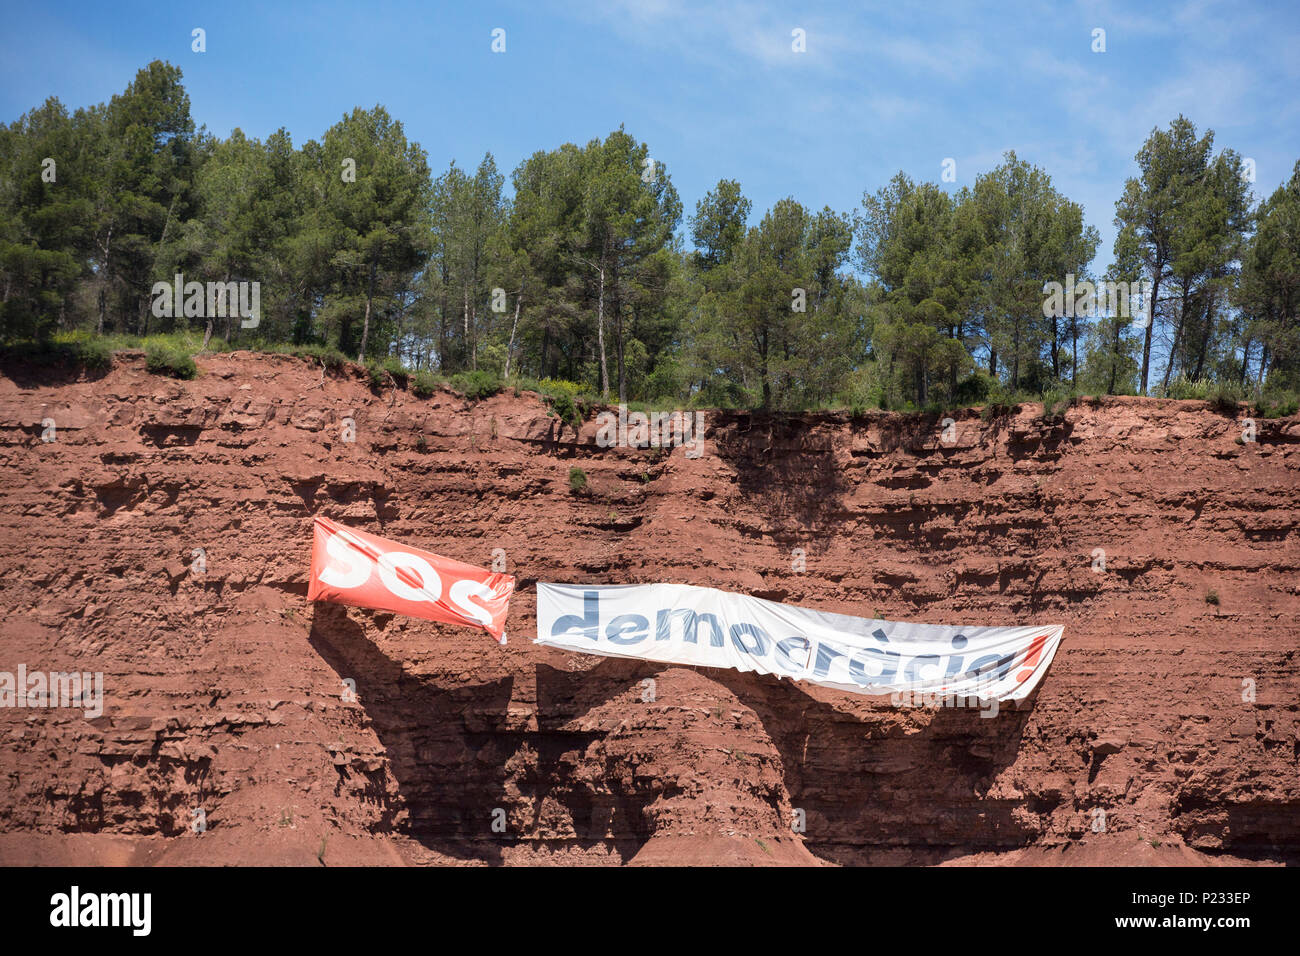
(610, 809)
(892, 785)
(785, 465)
(445, 745)
(895, 785)
(1045, 440)
(452, 752)
(45, 367)
(1253, 830)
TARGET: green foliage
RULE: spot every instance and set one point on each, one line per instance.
(90, 353)
(164, 358)
(959, 273)
(574, 280)
(1222, 396)
(330, 358)
(725, 392)
(394, 367)
(1112, 357)
(863, 391)
(1269, 289)
(559, 386)
(1182, 225)
(773, 311)
(1278, 405)
(424, 383)
(93, 354)
(667, 381)
(1184, 389)
(566, 408)
(1056, 403)
(975, 388)
(1225, 397)
(568, 401)
(389, 372)
(476, 385)
(718, 225)
(577, 480)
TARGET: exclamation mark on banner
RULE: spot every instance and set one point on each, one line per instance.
(1031, 658)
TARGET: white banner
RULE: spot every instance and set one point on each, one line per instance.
(683, 624)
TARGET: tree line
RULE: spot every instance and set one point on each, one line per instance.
(588, 269)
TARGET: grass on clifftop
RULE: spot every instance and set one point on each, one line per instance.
(172, 355)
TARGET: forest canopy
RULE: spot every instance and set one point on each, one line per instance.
(589, 269)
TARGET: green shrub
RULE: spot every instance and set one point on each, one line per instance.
(1056, 404)
(1280, 405)
(860, 401)
(1011, 397)
(719, 392)
(476, 385)
(1224, 397)
(80, 349)
(162, 358)
(184, 340)
(566, 408)
(94, 354)
(559, 386)
(522, 383)
(1185, 389)
(35, 353)
(326, 355)
(974, 389)
(668, 380)
(390, 371)
(394, 367)
(424, 383)
(577, 480)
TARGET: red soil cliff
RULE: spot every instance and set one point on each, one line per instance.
(223, 688)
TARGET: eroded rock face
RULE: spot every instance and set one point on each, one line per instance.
(163, 537)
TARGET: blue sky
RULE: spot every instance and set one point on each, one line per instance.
(715, 89)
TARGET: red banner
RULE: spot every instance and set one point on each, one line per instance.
(365, 570)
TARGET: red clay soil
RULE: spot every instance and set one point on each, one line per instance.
(223, 687)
